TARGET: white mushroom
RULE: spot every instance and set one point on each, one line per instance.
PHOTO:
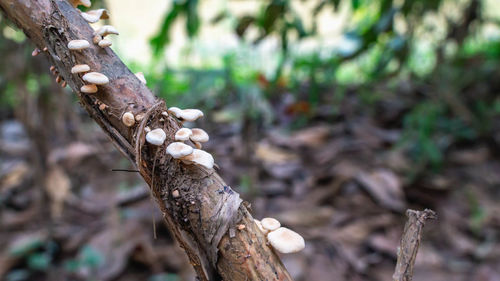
(200, 157)
(156, 137)
(96, 78)
(286, 241)
(106, 30)
(77, 45)
(89, 89)
(270, 224)
(183, 134)
(94, 16)
(179, 149)
(128, 119)
(199, 136)
(141, 77)
(190, 115)
(35, 52)
(79, 68)
(104, 43)
(77, 3)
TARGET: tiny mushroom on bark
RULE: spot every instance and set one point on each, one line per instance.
(128, 119)
(106, 30)
(104, 43)
(94, 16)
(77, 3)
(270, 224)
(183, 134)
(175, 111)
(35, 52)
(96, 78)
(156, 137)
(179, 149)
(141, 77)
(199, 136)
(286, 241)
(77, 45)
(200, 157)
(89, 89)
(79, 68)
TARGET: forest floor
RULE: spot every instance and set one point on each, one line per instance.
(343, 185)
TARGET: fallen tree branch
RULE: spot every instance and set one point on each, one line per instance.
(204, 215)
(410, 241)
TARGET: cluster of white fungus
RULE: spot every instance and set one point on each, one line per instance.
(180, 150)
(92, 78)
(282, 239)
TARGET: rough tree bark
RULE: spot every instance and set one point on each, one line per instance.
(409, 243)
(204, 217)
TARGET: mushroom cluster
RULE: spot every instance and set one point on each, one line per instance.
(92, 78)
(282, 239)
(184, 152)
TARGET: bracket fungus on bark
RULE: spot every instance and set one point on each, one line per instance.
(89, 89)
(128, 119)
(199, 136)
(178, 150)
(94, 16)
(95, 78)
(105, 30)
(105, 43)
(286, 241)
(270, 224)
(156, 137)
(199, 157)
(189, 115)
(183, 134)
(78, 45)
(80, 68)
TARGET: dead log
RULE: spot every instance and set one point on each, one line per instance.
(204, 216)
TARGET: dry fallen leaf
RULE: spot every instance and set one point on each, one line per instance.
(57, 185)
(385, 187)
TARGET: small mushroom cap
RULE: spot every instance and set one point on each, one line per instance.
(89, 89)
(95, 78)
(179, 149)
(270, 224)
(286, 241)
(128, 119)
(79, 68)
(106, 30)
(199, 135)
(104, 43)
(183, 134)
(156, 137)
(190, 115)
(94, 16)
(200, 157)
(77, 3)
(141, 77)
(77, 45)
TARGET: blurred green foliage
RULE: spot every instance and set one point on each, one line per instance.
(419, 42)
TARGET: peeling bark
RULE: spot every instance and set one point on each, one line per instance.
(204, 216)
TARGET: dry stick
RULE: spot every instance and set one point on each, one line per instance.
(204, 216)
(410, 241)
